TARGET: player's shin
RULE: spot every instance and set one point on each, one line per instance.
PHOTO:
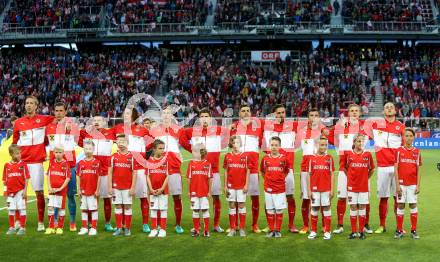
(232, 218)
(255, 210)
(41, 206)
(196, 220)
(383, 209)
(178, 209)
(154, 219)
(145, 209)
(51, 217)
(206, 220)
(242, 215)
(279, 220)
(118, 217)
(22, 219)
(291, 209)
(341, 209)
(399, 219)
(270, 214)
(107, 210)
(314, 219)
(353, 220)
(62, 215)
(84, 218)
(163, 219)
(217, 209)
(362, 219)
(305, 210)
(327, 220)
(11, 218)
(94, 218)
(414, 214)
(128, 216)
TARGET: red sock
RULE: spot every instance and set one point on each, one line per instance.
(178, 209)
(128, 220)
(291, 209)
(217, 209)
(123, 217)
(145, 209)
(84, 223)
(305, 211)
(118, 218)
(271, 221)
(107, 209)
(383, 209)
(41, 206)
(236, 217)
(362, 220)
(163, 223)
(399, 220)
(17, 215)
(341, 208)
(414, 221)
(11, 221)
(196, 223)
(279, 221)
(353, 221)
(94, 223)
(242, 220)
(206, 224)
(314, 223)
(327, 223)
(232, 221)
(61, 221)
(51, 221)
(154, 222)
(322, 220)
(367, 216)
(255, 209)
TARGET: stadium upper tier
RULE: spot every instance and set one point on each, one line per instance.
(104, 18)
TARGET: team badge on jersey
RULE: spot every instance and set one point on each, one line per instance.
(38, 121)
(397, 127)
(51, 137)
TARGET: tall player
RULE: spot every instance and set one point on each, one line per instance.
(173, 136)
(29, 133)
(387, 134)
(213, 137)
(137, 143)
(64, 132)
(250, 131)
(308, 133)
(102, 138)
(408, 162)
(342, 136)
(286, 131)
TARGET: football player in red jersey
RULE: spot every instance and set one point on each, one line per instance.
(199, 175)
(359, 167)
(274, 168)
(408, 162)
(236, 166)
(122, 183)
(29, 135)
(58, 176)
(320, 184)
(89, 175)
(15, 181)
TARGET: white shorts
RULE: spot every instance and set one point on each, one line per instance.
(304, 186)
(36, 172)
(320, 199)
(254, 185)
(386, 183)
(290, 183)
(216, 188)
(199, 203)
(408, 195)
(275, 201)
(57, 201)
(159, 202)
(342, 185)
(175, 184)
(16, 202)
(236, 195)
(89, 203)
(141, 190)
(358, 198)
(103, 187)
(121, 197)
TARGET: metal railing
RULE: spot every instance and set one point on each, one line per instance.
(150, 28)
(391, 26)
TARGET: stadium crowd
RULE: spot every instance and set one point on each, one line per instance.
(90, 82)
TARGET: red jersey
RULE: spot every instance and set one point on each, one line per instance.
(251, 136)
(122, 165)
(14, 177)
(341, 136)
(199, 172)
(275, 170)
(408, 160)
(157, 171)
(236, 166)
(57, 174)
(320, 172)
(358, 166)
(103, 140)
(58, 135)
(213, 137)
(286, 131)
(29, 133)
(388, 137)
(307, 136)
(173, 137)
(137, 137)
(88, 171)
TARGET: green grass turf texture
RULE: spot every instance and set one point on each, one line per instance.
(293, 247)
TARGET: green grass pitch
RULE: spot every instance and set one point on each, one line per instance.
(104, 247)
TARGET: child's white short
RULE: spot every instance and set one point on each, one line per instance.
(358, 198)
(58, 201)
(236, 195)
(16, 202)
(159, 202)
(275, 201)
(122, 197)
(199, 203)
(89, 203)
(408, 195)
(320, 199)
